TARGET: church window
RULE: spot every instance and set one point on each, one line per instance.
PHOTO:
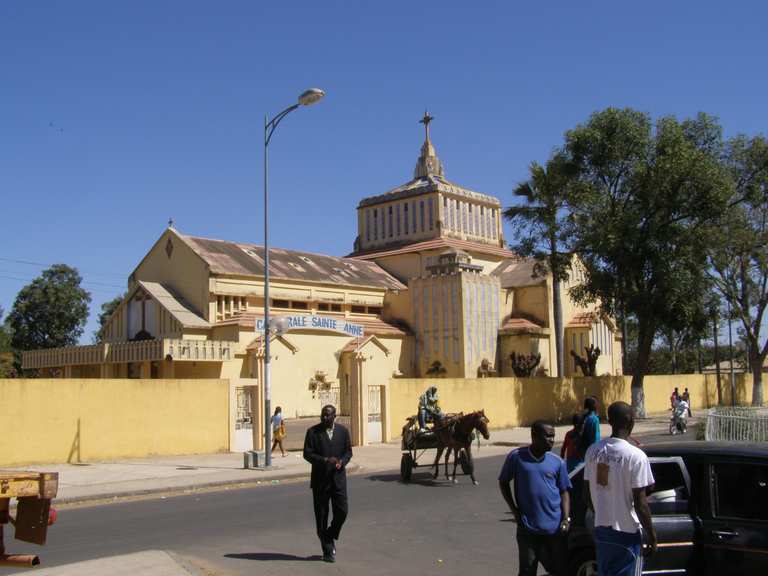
(471, 220)
(421, 211)
(493, 223)
(413, 211)
(374, 310)
(397, 209)
(453, 214)
(299, 305)
(405, 219)
(389, 221)
(431, 215)
(355, 309)
(323, 307)
(482, 221)
(368, 225)
(445, 217)
(280, 303)
(375, 224)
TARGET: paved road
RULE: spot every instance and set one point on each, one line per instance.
(422, 528)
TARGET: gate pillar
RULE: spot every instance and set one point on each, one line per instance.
(358, 402)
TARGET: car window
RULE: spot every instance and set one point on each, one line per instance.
(741, 491)
(669, 494)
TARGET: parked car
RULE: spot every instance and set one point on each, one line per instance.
(709, 506)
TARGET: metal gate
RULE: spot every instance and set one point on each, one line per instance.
(374, 413)
(337, 396)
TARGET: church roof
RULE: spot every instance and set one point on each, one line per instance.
(582, 320)
(174, 304)
(516, 273)
(425, 184)
(519, 325)
(434, 244)
(237, 258)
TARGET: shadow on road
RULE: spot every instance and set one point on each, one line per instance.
(268, 556)
(425, 480)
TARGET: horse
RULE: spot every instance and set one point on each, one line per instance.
(456, 435)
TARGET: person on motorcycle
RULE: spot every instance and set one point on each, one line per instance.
(429, 408)
(679, 413)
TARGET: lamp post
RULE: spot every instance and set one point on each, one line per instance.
(307, 98)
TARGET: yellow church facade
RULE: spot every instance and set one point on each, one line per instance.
(430, 288)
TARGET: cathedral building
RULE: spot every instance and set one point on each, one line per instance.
(430, 289)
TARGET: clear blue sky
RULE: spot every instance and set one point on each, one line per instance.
(115, 116)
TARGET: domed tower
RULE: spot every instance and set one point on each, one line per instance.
(428, 207)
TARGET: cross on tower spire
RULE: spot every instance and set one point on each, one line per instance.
(426, 120)
(428, 163)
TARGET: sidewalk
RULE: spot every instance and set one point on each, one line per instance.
(172, 474)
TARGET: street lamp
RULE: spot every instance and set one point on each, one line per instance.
(307, 98)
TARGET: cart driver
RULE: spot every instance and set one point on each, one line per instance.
(429, 408)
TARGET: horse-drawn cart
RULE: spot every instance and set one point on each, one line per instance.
(415, 443)
(33, 492)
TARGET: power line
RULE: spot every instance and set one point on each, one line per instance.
(93, 282)
(3, 277)
(42, 265)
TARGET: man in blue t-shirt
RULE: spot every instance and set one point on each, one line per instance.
(541, 504)
(590, 428)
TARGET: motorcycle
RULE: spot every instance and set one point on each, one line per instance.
(678, 422)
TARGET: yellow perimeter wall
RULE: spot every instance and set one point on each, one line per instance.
(512, 402)
(73, 420)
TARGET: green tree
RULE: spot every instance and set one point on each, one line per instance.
(5, 335)
(739, 250)
(50, 312)
(640, 223)
(6, 363)
(107, 309)
(541, 229)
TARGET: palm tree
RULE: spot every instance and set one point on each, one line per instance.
(541, 229)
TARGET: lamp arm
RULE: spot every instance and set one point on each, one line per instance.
(270, 126)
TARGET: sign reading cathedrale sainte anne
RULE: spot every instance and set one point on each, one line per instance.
(311, 322)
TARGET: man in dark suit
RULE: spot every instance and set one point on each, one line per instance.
(328, 448)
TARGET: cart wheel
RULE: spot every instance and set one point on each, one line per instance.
(406, 467)
(464, 462)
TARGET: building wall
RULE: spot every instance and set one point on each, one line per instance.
(481, 305)
(374, 221)
(510, 402)
(524, 344)
(291, 373)
(79, 420)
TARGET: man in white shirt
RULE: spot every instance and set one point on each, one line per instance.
(616, 477)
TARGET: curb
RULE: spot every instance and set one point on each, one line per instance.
(180, 490)
(354, 468)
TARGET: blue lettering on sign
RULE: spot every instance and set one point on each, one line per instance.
(304, 322)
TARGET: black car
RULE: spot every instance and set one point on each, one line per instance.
(709, 507)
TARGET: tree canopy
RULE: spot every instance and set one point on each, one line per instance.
(738, 251)
(50, 312)
(107, 309)
(542, 232)
(640, 219)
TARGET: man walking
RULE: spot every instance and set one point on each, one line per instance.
(616, 477)
(541, 503)
(590, 429)
(328, 448)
